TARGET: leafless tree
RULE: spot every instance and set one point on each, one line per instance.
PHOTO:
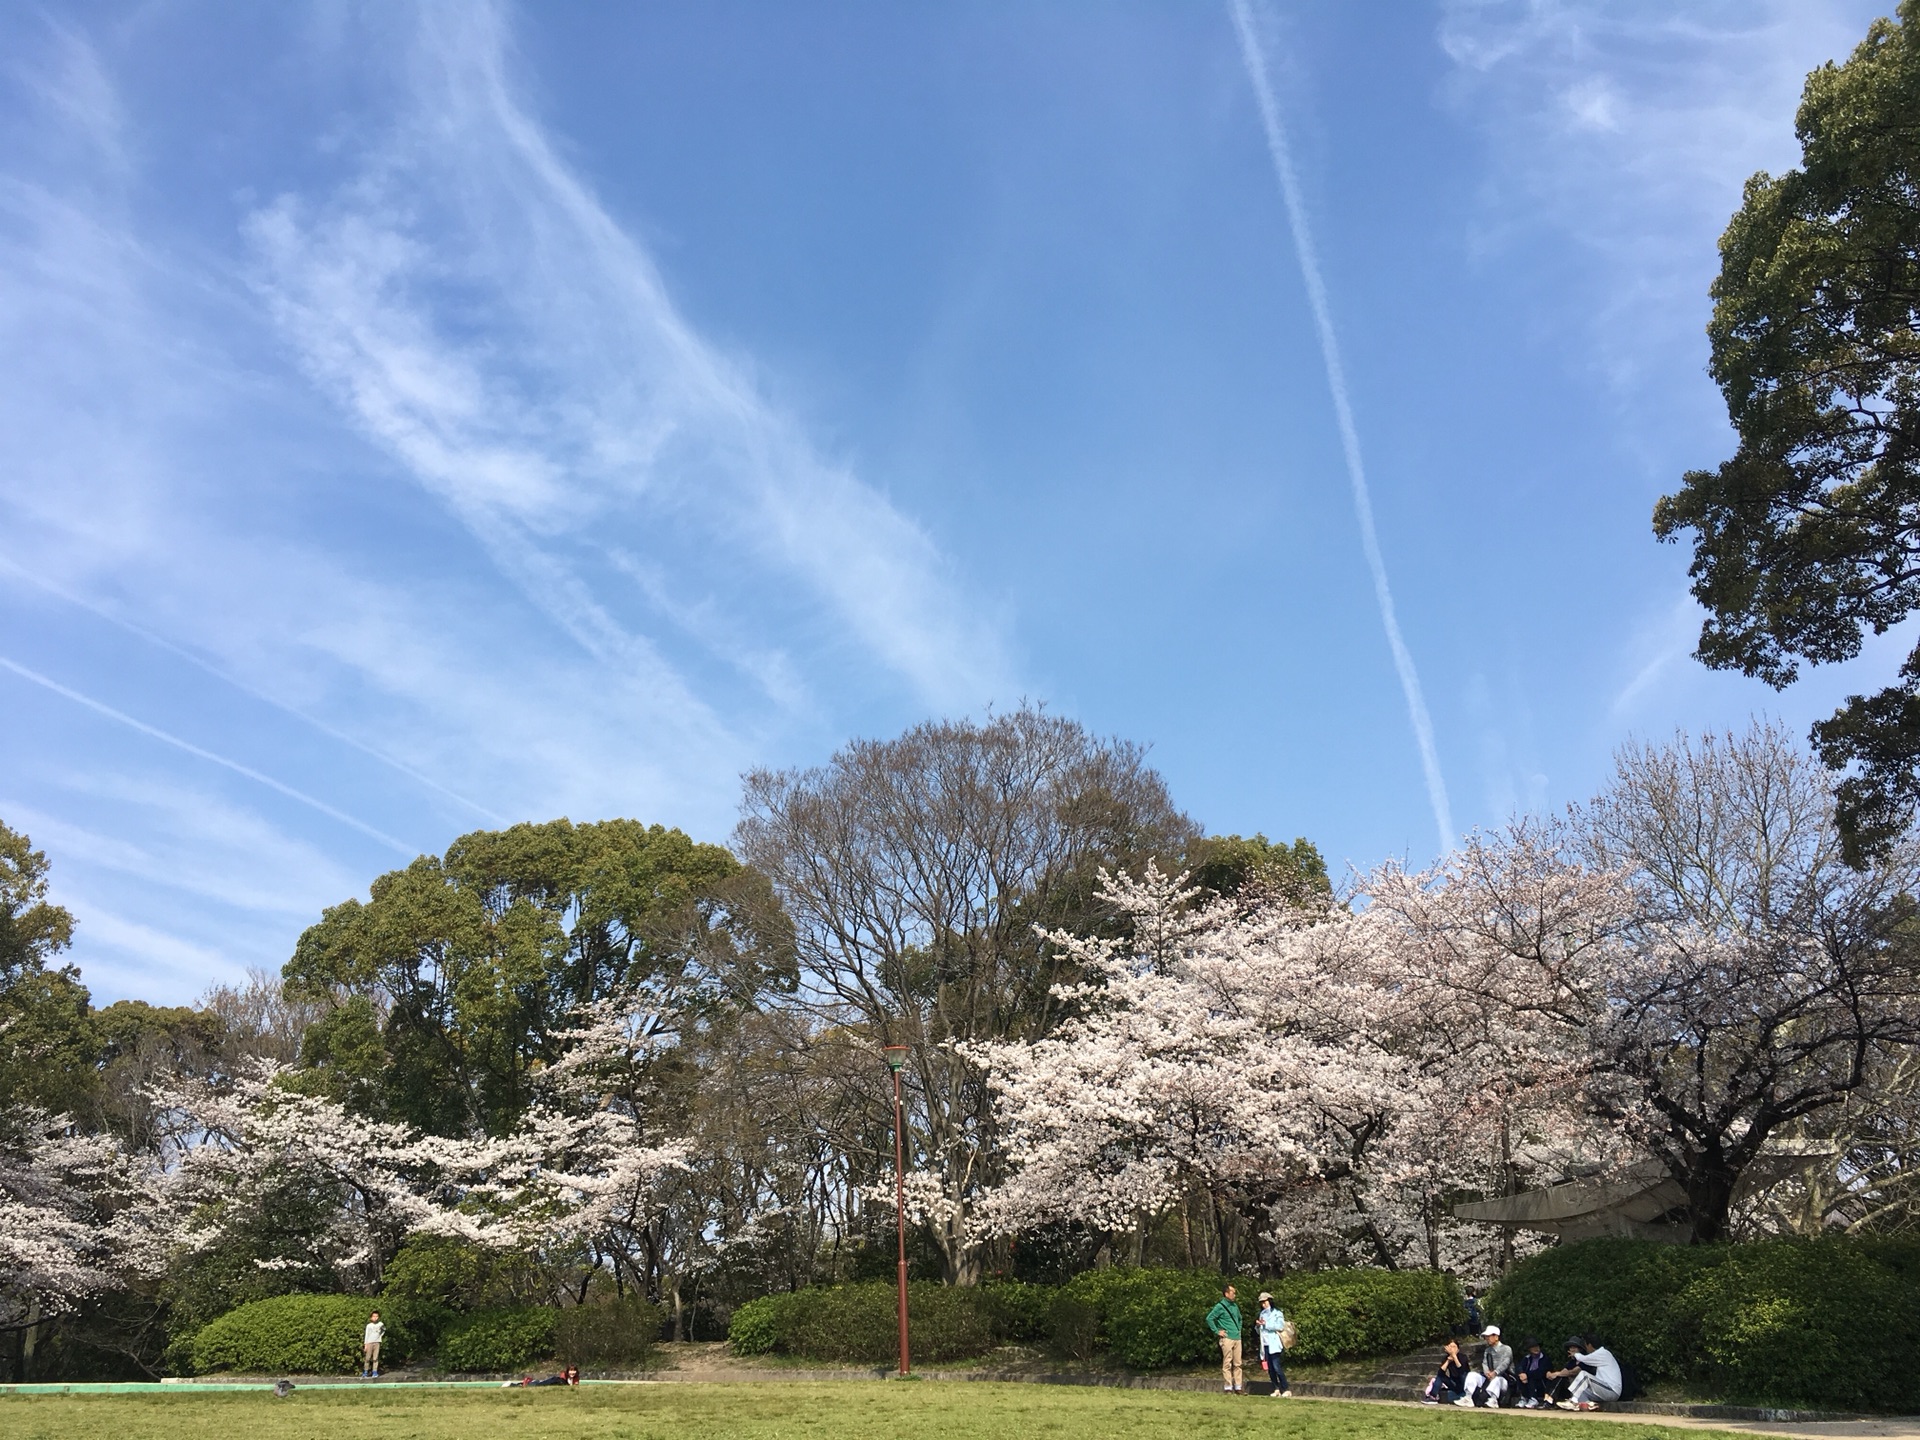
(915, 871)
(1773, 983)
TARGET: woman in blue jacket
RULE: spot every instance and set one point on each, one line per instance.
(1272, 1344)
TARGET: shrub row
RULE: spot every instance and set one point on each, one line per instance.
(505, 1339)
(1151, 1319)
(295, 1334)
(321, 1335)
(859, 1324)
(1830, 1321)
(1143, 1319)
(1344, 1313)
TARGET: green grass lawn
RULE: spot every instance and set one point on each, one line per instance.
(762, 1411)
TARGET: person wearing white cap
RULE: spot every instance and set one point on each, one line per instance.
(1495, 1361)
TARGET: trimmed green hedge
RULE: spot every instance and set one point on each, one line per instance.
(495, 1340)
(859, 1324)
(1345, 1313)
(296, 1335)
(1143, 1319)
(1830, 1321)
(1153, 1319)
(1020, 1310)
(759, 1326)
(608, 1332)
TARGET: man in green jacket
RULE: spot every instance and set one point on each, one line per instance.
(1224, 1321)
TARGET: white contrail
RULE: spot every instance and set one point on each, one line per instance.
(1256, 62)
(234, 765)
(331, 732)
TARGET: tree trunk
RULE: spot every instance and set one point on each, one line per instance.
(1710, 1199)
(1222, 1243)
(1508, 1187)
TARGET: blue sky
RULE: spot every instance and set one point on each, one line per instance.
(416, 419)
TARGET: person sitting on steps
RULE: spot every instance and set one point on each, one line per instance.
(1450, 1380)
(1593, 1375)
(1491, 1375)
(1530, 1374)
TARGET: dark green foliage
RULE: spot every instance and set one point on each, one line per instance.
(1624, 1291)
(216, 1284)
(1073, 1327)
(1019, 1310)
(1830, 1322)
(1145, 1319)
(859, 1324)
(439, 1270)
(1822, 1322)
(31, 930)
(1343, 1313)
(47, 1045)
(1142, 1319)
(495, 1340)
(1803, 540)
(619, 1333)
(480, 958)
(294, 1335)
(759, 1326)
(1230, 864)
(1153, 1319)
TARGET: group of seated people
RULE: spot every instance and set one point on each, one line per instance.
(1591, 1376)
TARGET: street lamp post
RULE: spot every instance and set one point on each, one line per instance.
(896, 1058)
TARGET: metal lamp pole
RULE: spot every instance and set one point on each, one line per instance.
(896, 1058)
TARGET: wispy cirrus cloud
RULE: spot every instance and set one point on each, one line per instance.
(403, 490)
(586, 406)
(1618, 136)
(1625, 130)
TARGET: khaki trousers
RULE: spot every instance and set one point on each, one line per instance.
(1230, 1360)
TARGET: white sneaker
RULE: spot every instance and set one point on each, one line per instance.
(1465, 1402)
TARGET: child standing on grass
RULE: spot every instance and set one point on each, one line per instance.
(370, 1347)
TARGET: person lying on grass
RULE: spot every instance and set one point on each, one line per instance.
(569, 1376)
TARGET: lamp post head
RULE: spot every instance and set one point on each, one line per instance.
(896, 1057)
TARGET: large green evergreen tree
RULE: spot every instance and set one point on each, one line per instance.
(46, 1036)
(453, 983)
(1809, 536)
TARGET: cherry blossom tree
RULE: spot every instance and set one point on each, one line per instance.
(74, 1221)
(1327, 1081)
(247, 1154)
